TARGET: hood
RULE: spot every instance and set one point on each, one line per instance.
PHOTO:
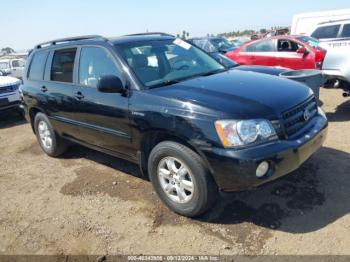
(271, 70)
(8, 80)
(239, 94)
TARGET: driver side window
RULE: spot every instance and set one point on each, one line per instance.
(94, 63)
(285, 45)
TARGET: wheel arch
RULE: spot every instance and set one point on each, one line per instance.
(32, 113)
(153, 137)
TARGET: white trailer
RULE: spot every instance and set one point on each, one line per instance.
(303, 23)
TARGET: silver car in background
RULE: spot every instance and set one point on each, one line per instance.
(334, 36)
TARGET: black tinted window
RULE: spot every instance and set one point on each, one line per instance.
(94, 63)
(285, 45)
(15, 63)
(346, 31)
(36, 71)
(326, 32)
(261, 46)
(63, 65)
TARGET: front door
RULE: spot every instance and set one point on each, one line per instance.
(287, 55)
(17, 66)
(103, 117)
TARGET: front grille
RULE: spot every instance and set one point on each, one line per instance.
(8, 89)
(295, 119)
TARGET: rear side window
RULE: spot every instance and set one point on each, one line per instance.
(346, 31)
(261, 46)
(36, 71)
(325, 32)
(63, 65)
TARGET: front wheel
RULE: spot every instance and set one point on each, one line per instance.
(181, 179)
(50, 142)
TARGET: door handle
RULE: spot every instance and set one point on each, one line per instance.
(79, 95)
(43, 89)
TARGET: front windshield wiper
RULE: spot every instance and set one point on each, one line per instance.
(165, 83)
(213, 72)
(176, 81)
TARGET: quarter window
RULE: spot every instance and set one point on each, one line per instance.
(63, 65)
(325, 32)
(36, 71)
(346, 31)
(261, 46)
(94, 63)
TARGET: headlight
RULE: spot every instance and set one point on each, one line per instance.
(321, 112)
(234, 133)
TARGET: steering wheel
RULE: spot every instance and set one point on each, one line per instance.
(183, 64)
(183, 67)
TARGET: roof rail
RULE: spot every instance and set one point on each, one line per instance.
(334, 21)
(70, 39)
(152, 33)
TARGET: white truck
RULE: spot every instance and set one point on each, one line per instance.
(334, 36)
(13, 67)
(332, 29)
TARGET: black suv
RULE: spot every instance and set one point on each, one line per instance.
(193, 126)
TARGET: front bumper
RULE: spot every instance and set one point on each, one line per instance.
(9, 101)
(235, 170)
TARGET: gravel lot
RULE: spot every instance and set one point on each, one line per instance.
(89, 203)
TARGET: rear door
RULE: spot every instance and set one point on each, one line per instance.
(103, 117)
(59, 89)
(261, 52)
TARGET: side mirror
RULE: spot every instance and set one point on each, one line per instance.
(222, 50)
(302, 50)
(110, 84)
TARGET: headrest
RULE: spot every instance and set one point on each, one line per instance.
(285, 45)
(139, 61)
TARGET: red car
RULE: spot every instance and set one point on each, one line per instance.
(295, 52)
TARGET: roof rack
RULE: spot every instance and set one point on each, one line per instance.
(334, 21)
(152, 33)
(70, 39)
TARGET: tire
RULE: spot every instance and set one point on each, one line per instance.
(172, 189)
(57, 146)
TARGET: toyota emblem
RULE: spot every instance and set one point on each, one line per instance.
(306, 115)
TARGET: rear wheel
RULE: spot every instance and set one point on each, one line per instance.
(181, 180)
(50, 142)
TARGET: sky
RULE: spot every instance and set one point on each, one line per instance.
(25, 23)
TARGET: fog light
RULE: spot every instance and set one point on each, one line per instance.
(262, 169)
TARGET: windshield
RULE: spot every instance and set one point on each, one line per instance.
(159, 63)
(4, 65)
(222, 43)
(224, 60)
(309, 40)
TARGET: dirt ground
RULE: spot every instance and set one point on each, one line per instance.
(89, 203)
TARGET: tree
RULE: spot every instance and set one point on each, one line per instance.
(263, 31)
(184, 34)
(7, 50)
